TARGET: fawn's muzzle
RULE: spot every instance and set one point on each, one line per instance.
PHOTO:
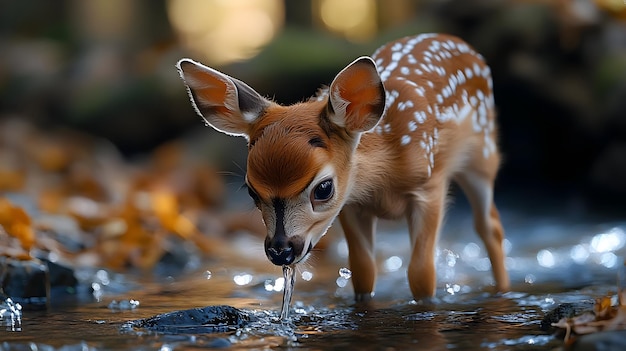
(281, 251)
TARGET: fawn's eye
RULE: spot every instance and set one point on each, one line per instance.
(324, 190)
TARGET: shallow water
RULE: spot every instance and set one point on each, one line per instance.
(551, 259)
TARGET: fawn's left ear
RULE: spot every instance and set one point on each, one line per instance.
(357, 96)
(227, 104)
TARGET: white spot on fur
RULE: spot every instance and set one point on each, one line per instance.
(405, 140)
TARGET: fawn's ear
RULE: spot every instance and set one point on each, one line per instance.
(357, 96)
(227, 104)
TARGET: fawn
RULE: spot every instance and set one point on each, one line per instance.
(384, 140)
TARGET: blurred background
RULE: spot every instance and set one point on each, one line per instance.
(106, 68)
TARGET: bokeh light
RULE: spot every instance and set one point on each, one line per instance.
(223, 31)
(353, 19)
(545, 258)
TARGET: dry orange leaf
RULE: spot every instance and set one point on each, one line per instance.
(16, 223)
(604, 318)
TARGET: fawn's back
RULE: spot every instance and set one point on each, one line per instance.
(439, 120)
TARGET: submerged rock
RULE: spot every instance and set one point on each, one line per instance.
(210, 319)
(33, 283)
(26, 282)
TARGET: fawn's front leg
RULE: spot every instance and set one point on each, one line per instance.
(358, 226)
(424, 216)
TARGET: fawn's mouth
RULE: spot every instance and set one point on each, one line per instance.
(306, 255)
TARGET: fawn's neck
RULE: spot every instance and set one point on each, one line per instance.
(370, 170)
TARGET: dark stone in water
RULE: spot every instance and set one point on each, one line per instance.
(564, 310)
(25, 282)
(210, 319)
(61, 276)
(34, 283)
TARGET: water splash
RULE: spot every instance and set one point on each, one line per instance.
(123, 305)
(290, 279)
(11, 315)
(345, 273)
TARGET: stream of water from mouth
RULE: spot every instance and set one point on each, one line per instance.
(289, 274)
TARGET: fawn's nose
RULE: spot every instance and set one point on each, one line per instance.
(280, 252)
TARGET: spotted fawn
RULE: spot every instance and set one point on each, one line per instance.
(384, 140)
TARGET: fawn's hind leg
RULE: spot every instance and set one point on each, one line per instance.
(478, 188)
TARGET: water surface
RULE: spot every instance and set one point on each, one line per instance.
(551, 259)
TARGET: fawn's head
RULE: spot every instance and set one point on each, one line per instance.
(299, 156)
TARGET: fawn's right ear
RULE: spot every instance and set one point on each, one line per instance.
(357, 96)
(227, 104)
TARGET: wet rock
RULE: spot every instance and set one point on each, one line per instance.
(61, 276)
(564, 310)
(26, 282)
(210, 319)
(603, 341)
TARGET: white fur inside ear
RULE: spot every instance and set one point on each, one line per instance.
(340, 106)
(249, 116)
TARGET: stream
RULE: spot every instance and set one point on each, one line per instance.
(554, 256)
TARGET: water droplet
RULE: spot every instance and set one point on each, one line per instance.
(393, 263)
(450, 258)
(345, 273)
(243, 279)
(103, 277)
(275, 285)
(306, 275)
(341, 282)
(530, 278)
(453, 288)
(208, 274)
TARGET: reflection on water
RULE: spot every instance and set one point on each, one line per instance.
(550, 262)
